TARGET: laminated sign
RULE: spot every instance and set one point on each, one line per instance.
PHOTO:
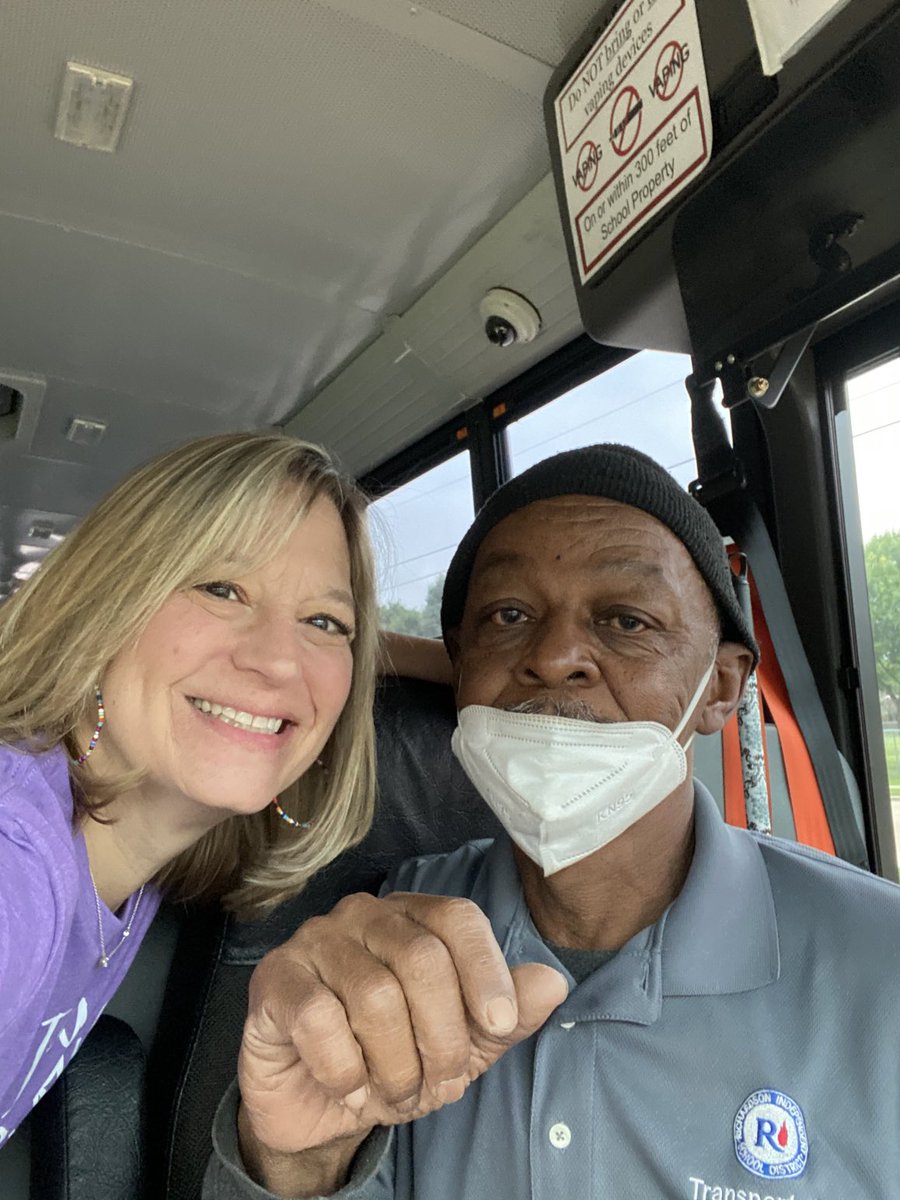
(783, 26)
(633, 123)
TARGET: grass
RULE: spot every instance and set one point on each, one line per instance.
(892, 756)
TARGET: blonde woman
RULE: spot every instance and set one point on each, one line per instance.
(185, 708)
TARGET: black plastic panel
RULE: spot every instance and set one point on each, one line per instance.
(727, 266)
(758, 251)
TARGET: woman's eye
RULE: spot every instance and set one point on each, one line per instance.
(220, 589)
(508, 616)
(330, 625)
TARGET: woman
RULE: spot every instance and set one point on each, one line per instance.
(203, 642)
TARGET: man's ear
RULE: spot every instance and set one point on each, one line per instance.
(734, 662)
(451, 641)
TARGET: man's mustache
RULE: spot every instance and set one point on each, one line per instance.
(558, 706)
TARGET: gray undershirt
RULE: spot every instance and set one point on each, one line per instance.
(580, 963)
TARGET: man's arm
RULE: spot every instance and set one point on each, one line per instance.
(319, 1171)
(373, 1016)
(416, 657)
(229, 1176)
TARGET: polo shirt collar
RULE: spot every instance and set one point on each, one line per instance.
(721, 931)
(719, 935)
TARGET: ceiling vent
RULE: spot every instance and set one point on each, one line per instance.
(92, 107)
(42, 531)
(85, 431)
(11, 403)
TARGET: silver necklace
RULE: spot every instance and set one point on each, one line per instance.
(105, 956)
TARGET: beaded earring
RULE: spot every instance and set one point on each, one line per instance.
(286, 816)
(95, 736)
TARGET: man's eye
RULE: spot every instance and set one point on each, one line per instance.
(626, 623)
(330, 625)
(220, 589)
(508, 616)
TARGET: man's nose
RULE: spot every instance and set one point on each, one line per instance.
(268, 646)
(560, 652)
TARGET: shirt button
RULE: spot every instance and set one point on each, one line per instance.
(560, 1135)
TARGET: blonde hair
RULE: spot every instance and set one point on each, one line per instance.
(163, 529)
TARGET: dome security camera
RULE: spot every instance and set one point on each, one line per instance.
(508, 318)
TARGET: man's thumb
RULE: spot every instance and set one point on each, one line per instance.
(539, 990)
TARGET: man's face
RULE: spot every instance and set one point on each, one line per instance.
(588, 607)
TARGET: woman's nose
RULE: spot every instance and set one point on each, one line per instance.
(269, 646)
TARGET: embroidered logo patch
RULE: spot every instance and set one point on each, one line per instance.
(770, 1136)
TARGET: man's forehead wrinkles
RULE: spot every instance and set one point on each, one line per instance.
(595, 562)
(633, 566)
(493, 560)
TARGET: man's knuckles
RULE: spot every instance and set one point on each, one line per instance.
(354, 912)
(450, 917)
(422, 959)
(374, 1001)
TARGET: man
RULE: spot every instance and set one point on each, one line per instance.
(625, 998)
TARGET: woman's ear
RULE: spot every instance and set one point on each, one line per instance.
(734, 662)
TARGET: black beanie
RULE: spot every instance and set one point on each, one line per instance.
(615, 473)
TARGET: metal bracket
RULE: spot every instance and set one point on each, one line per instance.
(740, 385)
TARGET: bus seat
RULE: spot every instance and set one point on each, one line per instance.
(708, 769)
(97, 1103)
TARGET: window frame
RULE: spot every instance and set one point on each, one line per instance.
(847, 689)
(859, 347)
(481, 429)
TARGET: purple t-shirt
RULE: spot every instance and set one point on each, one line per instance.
(52, 988)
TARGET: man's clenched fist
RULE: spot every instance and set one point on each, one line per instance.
(377, 1014)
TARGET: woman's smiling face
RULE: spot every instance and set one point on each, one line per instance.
(234, 687)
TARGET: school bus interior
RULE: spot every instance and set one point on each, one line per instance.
(415, 232)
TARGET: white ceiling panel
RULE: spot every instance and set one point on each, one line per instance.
(292, 179)
(113, 314)
(435, 361)
(536, 28)
(222, 162)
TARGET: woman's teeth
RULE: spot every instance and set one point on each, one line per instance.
(241, 720)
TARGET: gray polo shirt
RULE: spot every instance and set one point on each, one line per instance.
(745, 1047)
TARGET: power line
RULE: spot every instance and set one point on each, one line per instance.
(427, 554)
(418, 579)
(876, 429)
(596, 417)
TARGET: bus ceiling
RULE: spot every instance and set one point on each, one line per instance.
(724, 189)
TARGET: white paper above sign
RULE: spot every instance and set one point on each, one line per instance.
(634, 126)
(783, 26)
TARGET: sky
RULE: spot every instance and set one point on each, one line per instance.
(874, 406)
(641, 402)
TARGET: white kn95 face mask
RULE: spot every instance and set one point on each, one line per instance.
(564, 788)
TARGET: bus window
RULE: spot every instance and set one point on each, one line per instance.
(416, 528)
(641, 402)
(872, 396)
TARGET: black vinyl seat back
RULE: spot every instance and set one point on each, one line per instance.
(425, 805)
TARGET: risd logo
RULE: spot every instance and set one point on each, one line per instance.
(770, 1136)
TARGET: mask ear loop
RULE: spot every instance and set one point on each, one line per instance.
(692, 703)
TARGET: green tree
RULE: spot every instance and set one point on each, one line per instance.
(420, 622)
(431, 613)
(400, 619)
(883, 576)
